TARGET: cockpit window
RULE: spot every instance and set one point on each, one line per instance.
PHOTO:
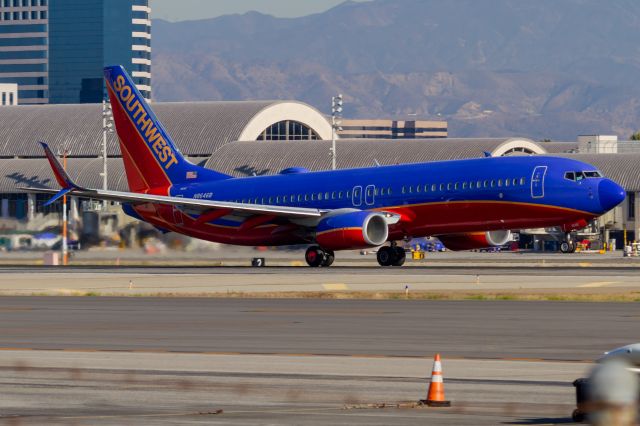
(578, 176)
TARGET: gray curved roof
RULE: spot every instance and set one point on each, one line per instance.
(242, 159)
(191, 124)
(268, 157)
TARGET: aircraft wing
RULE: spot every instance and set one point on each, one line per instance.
(188, 203)
(70, 188)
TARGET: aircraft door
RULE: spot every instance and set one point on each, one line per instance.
(537, 181)
(370, 195)
(356, 196)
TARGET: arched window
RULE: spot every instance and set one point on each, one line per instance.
(288, 130)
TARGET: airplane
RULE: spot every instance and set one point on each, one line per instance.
(467, 204)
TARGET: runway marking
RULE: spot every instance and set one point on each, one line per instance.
(286, 354)
(336, 286)
(585, 264)
(599, 284)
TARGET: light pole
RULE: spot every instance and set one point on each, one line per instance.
(65, 220)
(107, 127)
(337, 103)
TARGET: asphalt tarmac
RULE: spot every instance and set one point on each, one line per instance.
(113, 361)
(474, 329)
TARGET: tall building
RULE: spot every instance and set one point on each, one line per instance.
(55, 49)
(393, 129)
(23, 48)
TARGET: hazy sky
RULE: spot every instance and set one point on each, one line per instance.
(180, 10)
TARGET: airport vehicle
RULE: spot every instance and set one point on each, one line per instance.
(467, 204)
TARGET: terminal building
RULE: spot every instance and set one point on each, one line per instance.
(256, 138)
(55, 50)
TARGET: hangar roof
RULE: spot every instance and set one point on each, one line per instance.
(245, 158)
(190, 124)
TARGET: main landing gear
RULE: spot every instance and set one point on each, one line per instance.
(316, 256)
(568, 245)
(391, 255)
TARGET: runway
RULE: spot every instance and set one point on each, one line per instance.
(225, 281)
(180, 360)
(548, 330)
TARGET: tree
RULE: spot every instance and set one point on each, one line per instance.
(635, 136)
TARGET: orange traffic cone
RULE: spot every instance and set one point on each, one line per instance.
(435, 397)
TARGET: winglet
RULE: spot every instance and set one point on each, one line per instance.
(61, 175)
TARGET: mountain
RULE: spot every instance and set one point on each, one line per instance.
(542, 69)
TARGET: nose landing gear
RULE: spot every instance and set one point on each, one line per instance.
(568, 245)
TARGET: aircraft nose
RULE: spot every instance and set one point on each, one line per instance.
(611, 194)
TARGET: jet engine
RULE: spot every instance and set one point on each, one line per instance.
(353, 230)
(475, 240)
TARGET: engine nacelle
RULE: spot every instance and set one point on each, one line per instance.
(475, 240)
(354, 230)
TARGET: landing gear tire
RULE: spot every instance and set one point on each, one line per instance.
(314, 256)
(391, 256)
(565, 247)
(329, 257)
(400, 256)
(385, 256)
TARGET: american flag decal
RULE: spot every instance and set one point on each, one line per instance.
(192, 175)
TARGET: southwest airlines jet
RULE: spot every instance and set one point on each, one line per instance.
(466, 203)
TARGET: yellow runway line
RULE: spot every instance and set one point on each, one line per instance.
(599, 284)
(336, 286)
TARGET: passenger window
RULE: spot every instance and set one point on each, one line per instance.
(472, 185)
(375, 192)
(306, 197)
(426, 188)
(442, 187)
(464, 185)
(418, 188)
(449, 187)
(493, 183)
(522, 181)
(499, 183)
(410, 190)
(299, 197)
(515, 182)
(507, 182)
(326, 195)
(455, 186)
(333, 195)
(486, 183)
(382, 191)
(403, 190)
(320, 196)
(270, 200)
(434, 187)
(340, 195)
(389, 191)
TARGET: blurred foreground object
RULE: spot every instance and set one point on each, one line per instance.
(613, 394)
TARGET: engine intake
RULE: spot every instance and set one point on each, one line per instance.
(350, 231)
(475, 240)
